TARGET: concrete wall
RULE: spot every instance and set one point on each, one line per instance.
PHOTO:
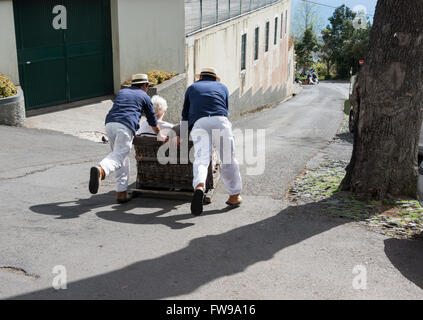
(147, 35)
(12, 110)
(173, 91)
(265, 81)
(8, 52)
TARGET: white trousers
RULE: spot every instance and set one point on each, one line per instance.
(215, 131)
(120, 139)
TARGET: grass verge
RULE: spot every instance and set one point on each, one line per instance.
(400, 218)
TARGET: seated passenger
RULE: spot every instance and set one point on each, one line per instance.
(160, 107)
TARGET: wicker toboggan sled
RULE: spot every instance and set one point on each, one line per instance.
(168, 180)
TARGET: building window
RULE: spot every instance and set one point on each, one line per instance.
(281, 25)
(256, 43)
(286, 20)
(266, 46)
(275, 40)
(243, 51)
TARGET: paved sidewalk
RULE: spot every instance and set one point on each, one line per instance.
(85, 122)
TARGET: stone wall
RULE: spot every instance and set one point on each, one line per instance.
(173, 91)
(12, 110)
(239, 105)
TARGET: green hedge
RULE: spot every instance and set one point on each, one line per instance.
(347, 107)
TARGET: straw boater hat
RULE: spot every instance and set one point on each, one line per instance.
(140, 78)
(208, 72)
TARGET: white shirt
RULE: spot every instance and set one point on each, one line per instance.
(146, 130)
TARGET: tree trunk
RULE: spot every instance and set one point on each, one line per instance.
(388, 104)
(328, 66)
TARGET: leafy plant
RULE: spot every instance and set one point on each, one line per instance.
(344, 45)
(347, 107)
(305, 47)
(155, 77)
(321, 70)
(7, 88)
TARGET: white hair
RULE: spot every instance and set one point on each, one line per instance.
(159, 104)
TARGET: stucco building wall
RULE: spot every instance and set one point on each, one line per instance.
(265, 81)
(147, 35)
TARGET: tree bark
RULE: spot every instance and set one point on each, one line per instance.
(328, 66)
(388, 99)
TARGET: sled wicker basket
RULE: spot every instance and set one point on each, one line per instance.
(153, 175)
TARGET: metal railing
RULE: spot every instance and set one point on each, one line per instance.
(200, 14)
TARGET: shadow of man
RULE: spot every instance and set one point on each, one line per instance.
(122, 213)
(212, 256)
(74, 209)
(203, 260)
(407, 257)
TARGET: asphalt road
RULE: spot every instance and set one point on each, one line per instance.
(152, 249)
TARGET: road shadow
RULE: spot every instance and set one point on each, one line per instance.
(75, 208)
(212, 257)
(203, 260)
(334, 81)
(345, 136)
(123, 213)
(299, 141)
(407, 257)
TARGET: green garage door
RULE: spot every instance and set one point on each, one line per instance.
(59, 65)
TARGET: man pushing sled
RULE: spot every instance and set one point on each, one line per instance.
(205, 109)
(122, 122)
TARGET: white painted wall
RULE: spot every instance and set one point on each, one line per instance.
(8, 52)
(147, 35)
(220, 47)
